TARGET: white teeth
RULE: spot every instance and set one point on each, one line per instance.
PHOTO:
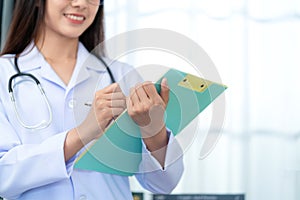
(77, 18)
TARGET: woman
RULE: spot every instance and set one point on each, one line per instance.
(51, 40)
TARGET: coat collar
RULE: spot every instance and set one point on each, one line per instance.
(33, 60)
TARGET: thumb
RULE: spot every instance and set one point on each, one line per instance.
(164, 92)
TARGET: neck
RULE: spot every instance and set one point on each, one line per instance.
(58, 48)
(61, 54)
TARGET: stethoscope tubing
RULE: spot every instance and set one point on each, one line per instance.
(43, 124)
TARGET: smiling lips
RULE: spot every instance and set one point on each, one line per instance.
(75, 18)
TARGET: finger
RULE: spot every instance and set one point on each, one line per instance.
(150, 90)
(129, 104)
(106, 93)
(112, 88)
(134, 97)
(165, 90)
(117, 111)
(141, 93)
(108, 100)
(118, 103)
(108, 113)
(114, 96)
(118, 88)
(111, 104)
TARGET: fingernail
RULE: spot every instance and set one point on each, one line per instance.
(164, 81)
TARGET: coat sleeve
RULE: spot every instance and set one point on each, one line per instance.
(157, 179)
(27, 166)
(151, 175)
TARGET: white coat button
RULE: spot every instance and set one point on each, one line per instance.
(83, 197)
(72, 103)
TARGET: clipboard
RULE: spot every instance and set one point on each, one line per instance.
(119, 150)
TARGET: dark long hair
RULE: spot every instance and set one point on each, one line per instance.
(26, 23)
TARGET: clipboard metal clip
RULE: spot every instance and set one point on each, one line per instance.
(194, 83)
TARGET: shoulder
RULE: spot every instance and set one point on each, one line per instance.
(26, 56)
(7, 70)
(6, 57)
(6, 62)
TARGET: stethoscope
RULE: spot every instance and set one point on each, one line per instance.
(44, 123)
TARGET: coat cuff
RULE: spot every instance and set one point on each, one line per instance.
(173, 153)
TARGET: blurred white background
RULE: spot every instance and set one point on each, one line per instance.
(254, 45)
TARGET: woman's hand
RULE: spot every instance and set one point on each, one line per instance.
(108, 103)
(147, 108)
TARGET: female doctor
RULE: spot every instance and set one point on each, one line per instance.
(40, 136)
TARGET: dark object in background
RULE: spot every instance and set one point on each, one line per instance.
(138, 196)
(199, 197)
(6, 10)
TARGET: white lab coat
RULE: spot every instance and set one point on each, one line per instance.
(32, 164)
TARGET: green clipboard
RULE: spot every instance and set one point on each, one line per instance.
(118, 151)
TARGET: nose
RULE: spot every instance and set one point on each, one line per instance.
(79, 3)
